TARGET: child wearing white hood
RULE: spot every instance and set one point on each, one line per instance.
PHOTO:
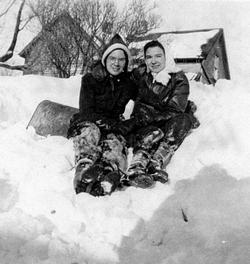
(162, 116)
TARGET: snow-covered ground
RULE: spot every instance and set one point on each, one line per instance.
(42, 221)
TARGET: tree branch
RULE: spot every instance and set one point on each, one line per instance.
(8, 8)
(14, 67)
(10, 50)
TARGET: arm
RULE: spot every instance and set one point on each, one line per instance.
(174, 103)
(178, 99)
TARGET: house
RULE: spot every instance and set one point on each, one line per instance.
(199, 53)
(58, 50)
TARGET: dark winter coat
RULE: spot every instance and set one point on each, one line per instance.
(157, 102)
(103, 98)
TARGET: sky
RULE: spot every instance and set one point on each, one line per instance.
(232, 16)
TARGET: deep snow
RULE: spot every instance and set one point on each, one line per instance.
(42, 221)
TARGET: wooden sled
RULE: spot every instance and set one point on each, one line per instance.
(51, 118)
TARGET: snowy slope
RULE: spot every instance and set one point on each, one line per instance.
(42, 221)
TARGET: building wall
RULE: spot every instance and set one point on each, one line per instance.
(215, 64)
(38, 61)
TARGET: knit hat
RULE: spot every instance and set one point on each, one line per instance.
(115, 43)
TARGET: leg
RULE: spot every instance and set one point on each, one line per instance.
(148, 138)
(87, 152)
(176, 129)
(114, 162)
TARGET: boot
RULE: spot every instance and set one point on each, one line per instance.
(137, 170)
(111, 182)
(86, 174)
(100, 179)
(87, 152)
(114, 160)
(110, 179)
(159, 161)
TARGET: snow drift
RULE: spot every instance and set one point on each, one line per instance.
(202, 216)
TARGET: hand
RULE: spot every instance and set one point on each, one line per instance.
(161, 117)
(131, 140)
(143, 116)
(106, 125)
(101, 124)
(124, 127)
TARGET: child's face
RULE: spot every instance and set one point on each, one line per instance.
(155, 59)
(116, 62)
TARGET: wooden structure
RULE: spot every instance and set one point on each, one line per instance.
(202, 52)
(44, 55)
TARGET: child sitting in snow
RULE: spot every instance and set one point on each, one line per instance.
(100, 149)
(161, 119)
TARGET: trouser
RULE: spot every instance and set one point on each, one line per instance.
(158, 142)
(91, 147)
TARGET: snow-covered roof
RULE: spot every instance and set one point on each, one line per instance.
(186, 44)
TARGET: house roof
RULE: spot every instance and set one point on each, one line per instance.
(189, 44)
(63, 16)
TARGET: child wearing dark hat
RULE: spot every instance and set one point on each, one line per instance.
(100, 148)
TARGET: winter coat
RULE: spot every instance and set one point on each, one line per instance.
(157, 102)
(103, 97)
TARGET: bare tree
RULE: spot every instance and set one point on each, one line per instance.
(137, 19)
(85, 27)
(9, 53)
(97, 20)
(7, 8)
(63, 46)
(47, 10)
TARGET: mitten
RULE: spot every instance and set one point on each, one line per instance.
(124, 127)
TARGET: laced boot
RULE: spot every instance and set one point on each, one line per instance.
(110, 179)
(98, 179)
(114, 158)
(137, 170)
(159, 161)
(86, 174)
(87, 153)
(110, 182)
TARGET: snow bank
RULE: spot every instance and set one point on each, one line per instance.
(20, 95)
(202, 216)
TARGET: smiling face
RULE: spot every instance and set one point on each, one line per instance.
(155, 59)
(116, 62)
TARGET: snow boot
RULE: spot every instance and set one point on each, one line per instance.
(148, 137)
(87, 152)
(114, 162)
(114, 152)
(111, 182)
(160, 160)
(137, 170)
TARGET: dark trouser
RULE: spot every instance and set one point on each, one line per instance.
(159, 141)
(92, 148)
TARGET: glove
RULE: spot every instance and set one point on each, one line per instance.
(162, 117)
(131, 140)
(143, 114)
(106, 125)
(74, 126)
(124, 127)
(191, 107)
(103, 125)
